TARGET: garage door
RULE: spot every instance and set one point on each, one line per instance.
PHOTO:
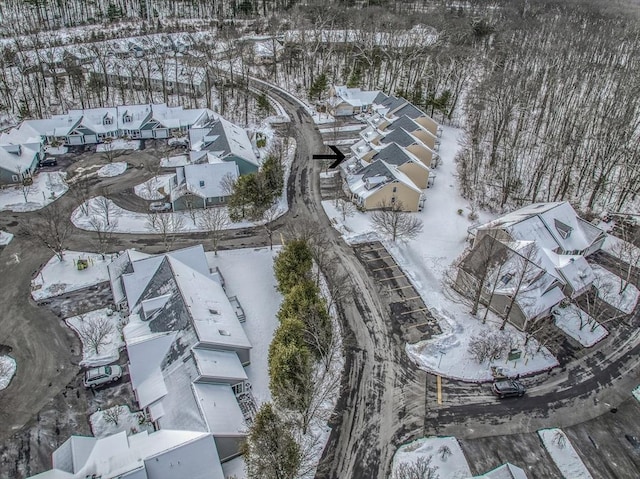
(90, 139)
(75, 140)
(161, 133)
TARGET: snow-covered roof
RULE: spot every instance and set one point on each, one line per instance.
(205, 180)
(552, 225)
(146, 354)
(372, 177)
(220, 408)
(214, 364)
(506, 471)
(224, 138)
(180, 408)
(213, 316)
(18, 158)
(162, 68)
(356, 96)
(164, 454)
(73, 453)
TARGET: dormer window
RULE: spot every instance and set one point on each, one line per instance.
(506, 278)
(563, 230)
(108, 120)
(201, 183)
(126, 119)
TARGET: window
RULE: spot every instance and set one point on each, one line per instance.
(14, 177)
(506, 278)
(395, 189)
(201, 183)
(127, 119)
(108, 121)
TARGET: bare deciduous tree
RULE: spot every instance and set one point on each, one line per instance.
(346, 208)
(79, 190)
(421, 468)
(113, 414)
(49, 226)
(395, 222)
(628, 256)
(94, 334)
(104, 233)
(490, 346)
(104, 209)
(167, 225)
(268, 217)
(214, 221)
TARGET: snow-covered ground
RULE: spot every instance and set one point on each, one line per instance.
(344, 128)
(426, 259)
(579, 325)
(46, 188)
(112, 169)
(608, 285)
(174, 161)
(155, 188)
(563, 454)
(7, 370)
(55, 150)
(118, 144)
(248, 274)
(59, 277)
(101, 327)
(5, 238)
(134, 222)
(127, 421)
(444, 453)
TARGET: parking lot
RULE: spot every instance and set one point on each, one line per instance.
(410, 317)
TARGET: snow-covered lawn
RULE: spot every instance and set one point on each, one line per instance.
(134, 222)
(46, 188)
(155, 188)
(174, 161)
(100, 333)
(118, 144)
(579, 325)
(56, 150)
(426, 259)
(112, 169)
(344, 128)
(7, 370)
(248, 274)
(5, 238)
(59, 277)
(563, 454)
(444, 453)
(608, 285)
(102, 421)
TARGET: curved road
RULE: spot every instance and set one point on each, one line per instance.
(386, 399)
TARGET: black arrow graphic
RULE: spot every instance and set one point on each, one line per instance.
(338, 157)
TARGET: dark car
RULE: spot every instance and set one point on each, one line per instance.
(507, 388)
(48, 162)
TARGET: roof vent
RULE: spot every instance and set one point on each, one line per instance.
(224, 332)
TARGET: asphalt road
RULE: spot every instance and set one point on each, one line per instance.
(386, 401)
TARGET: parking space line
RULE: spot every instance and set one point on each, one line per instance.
(385, 267)
(425, 323)
(414, 311)
(395, 277)
(378, 258)
(412, 298)
(401, 287)
(439, 384)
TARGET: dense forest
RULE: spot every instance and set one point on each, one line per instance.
(547, 91)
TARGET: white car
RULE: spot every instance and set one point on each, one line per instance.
(96, 377)
(159, 206)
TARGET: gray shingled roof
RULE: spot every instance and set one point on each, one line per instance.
(399, 136)
(392, 154)
(403, 122)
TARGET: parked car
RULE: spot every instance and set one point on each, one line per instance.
(508, 388)
(101, 376)
(159, 206)
(48, 162)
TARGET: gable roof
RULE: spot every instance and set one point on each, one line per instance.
(545, 223)
(224, 138)
(374, 176)
(205, 180)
